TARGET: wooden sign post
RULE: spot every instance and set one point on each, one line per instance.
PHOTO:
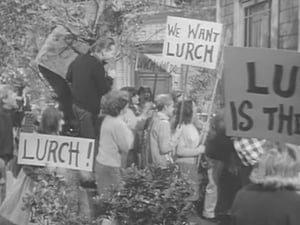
(193, 43)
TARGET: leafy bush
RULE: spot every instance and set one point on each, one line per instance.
(152, 196)
(53, 201)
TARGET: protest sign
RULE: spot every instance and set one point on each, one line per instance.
(58, 151)
(262, 93)
(192, 42)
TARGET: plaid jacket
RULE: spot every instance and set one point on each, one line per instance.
(249, 150)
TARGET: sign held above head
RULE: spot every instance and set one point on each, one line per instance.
(192, 42)
(262, 93)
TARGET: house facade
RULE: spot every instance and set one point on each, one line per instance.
(143, 69)
(261, 23)
(249, 23)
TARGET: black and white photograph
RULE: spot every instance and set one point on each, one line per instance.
(150, 112)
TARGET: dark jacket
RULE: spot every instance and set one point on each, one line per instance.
(256, 205)
(88, 82)
(6, 135)
(219, 146)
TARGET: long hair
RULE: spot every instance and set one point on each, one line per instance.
(50, 121)
(278, 168)
(145, 94)
(187, 112)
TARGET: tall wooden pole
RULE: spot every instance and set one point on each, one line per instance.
(154, 86)
(219, 75)
(184, 93)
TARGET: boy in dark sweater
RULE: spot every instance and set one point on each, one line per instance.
(86, 75)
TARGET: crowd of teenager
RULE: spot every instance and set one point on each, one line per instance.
(248, 180)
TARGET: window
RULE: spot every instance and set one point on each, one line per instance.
(257, 24)
(165, 3)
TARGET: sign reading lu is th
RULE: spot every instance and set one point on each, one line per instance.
(262, 93)
(192, 42)
(56, 151)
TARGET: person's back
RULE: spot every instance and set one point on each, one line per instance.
(160, 133)
(116, 138)
(273, 197)
(160, 130)
(86, 75)
(88, 84)
(257, 205)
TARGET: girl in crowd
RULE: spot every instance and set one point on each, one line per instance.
(135, 117)
(136, 120)
(133, 99)
(11, 209)
(188, 148)
(115, 139)
(51, 123)
(272, 198)
(145, 96)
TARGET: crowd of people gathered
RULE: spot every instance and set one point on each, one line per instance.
(248, 181)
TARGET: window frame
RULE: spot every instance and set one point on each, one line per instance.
(239, 22)
(250, 19)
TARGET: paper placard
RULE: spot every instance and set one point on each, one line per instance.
(59, 151)
(262, 93)
(192, 42)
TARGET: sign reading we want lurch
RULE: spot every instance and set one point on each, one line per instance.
(192, 42)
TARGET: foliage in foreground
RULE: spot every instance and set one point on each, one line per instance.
(150, 196)
(53, 201)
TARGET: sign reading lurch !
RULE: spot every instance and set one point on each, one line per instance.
(56, 151)
(262, 94)
(192, 42)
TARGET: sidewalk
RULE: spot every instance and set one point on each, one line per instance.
(200, 221)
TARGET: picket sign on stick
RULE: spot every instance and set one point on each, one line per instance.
(210, 109)
(154, 85)
(195, 43)
(192, 42)
(219, 74)
(207, 124)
